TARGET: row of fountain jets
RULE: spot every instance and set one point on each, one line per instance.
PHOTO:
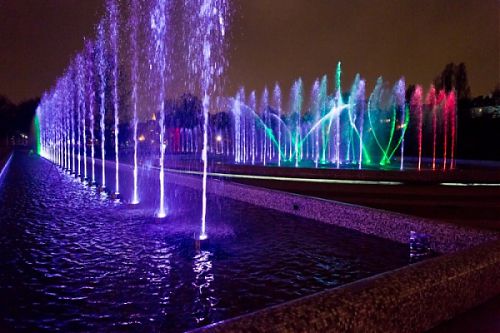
(344, 129)
(89, 90)
(335, 129)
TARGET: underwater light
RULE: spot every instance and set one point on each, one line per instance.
(161, 214)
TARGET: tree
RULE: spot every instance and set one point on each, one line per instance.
(25, 113)
(454, 77)
(222, 120)
(409, 92)
(16, 119)
(6, 117)
(461, 82)
(495, 94)
(188, 111)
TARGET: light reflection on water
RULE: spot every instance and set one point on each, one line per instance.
(71, 261)
(202, 267)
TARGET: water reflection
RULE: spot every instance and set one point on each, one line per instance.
(70, 261)
(158, 275)
(204, 300)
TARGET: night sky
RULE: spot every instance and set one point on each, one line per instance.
(279, 40)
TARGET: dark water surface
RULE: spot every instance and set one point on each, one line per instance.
(71, 261)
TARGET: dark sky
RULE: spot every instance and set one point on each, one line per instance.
(279, 40)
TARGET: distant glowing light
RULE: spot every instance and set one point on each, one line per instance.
(470, 184)
(292, 179)
(141, 138)
(218, 138)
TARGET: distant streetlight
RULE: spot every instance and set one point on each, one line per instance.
(219, 145)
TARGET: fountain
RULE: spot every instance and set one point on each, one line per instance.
(101, 66)
(264, 104)
(90, 93)
(339, 102)
(237, 128)
(112, 7)
(348, 132)
(205, 50)
(134, 24)
(84, 105)
(159, 21)
(79, 87)
(72, 130)
(115, 98)
(416, 105)
(277, 105)
(250, 154)
(296, 114)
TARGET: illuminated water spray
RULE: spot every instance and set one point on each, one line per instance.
(430, 101)
(66, 135)
(296, 100)
(134, 24)
(314, 109)
(101, 50)
(252, 102)
(80, 97)
(71, 73)
(84, 127)
(89, 49)
(338, 103)
(159, 31)
(445, 132)
(206, 52)
(440, 105)
(361, 104)
(399, 94)
(355, 111)
(416, 104)
(264, 105)
(36, 123)
(278, 106)
(449, 124)
(243, 133)
(452, 112)
(113, 31)
(58, 138)
(323, 95)
(236, 109)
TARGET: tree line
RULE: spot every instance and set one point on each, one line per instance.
(16, 119)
